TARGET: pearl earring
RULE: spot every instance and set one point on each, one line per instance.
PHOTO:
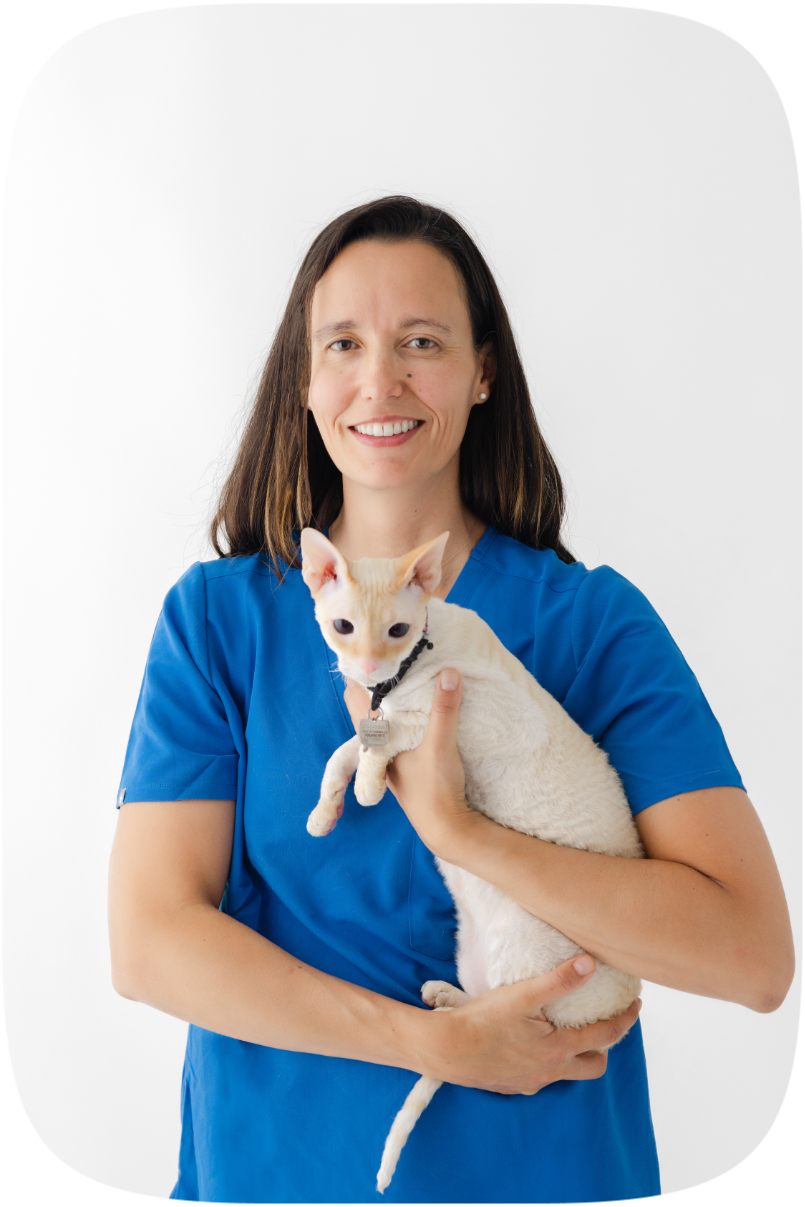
(483, 398)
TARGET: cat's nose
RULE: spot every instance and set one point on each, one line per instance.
(367, 665)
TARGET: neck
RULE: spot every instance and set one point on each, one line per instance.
(391, 522)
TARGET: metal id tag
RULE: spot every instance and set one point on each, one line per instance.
(373, 733)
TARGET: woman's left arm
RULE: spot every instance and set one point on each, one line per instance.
(705, 912)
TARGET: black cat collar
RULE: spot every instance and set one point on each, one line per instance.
(381, 690)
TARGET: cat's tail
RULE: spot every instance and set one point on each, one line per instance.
(402, 1127)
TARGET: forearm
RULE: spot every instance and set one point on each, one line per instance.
(211, 970)
(656, 919)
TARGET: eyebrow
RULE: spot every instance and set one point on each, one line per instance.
(331, 328)
(405, 325)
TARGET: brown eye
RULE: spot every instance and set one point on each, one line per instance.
(343, 626)
(398, 630)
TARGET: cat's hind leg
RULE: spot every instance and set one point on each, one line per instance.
(339, 771)
(441, 995)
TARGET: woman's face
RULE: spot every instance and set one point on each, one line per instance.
(391, 345)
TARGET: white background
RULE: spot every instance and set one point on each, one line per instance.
(640, 212)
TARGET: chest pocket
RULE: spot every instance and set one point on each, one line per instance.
(431, 913)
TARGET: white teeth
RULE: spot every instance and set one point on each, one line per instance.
(386, 429)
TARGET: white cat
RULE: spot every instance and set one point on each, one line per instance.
(527, 765)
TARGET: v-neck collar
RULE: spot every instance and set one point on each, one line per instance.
(471, 572)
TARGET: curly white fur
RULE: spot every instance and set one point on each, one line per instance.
(528, 766)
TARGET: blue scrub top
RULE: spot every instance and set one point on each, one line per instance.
(240, 700)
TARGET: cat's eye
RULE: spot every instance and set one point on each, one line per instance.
(343, 626)
(398, 630)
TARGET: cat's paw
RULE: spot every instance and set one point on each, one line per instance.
(324, 817)
(441, 996)
(368, 789)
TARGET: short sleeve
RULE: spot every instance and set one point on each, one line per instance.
(637, 697)
(181, 745)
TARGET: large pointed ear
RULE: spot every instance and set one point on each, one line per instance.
(321, 561)
(422, 567)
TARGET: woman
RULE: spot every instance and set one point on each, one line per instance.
(302, 988)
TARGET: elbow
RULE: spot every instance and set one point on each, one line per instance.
(768, 1002)
(770, 998)
(120, 989)
(138, 980)
(123, 985)
(130, 950)
(763, 960)
(771, 985)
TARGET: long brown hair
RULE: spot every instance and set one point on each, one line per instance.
(283, 478)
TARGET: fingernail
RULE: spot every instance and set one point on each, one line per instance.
(448, 681)
(584, 964)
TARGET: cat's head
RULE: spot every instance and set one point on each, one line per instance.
(371, 611)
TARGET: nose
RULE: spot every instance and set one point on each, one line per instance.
(381, 376)
(368, 665)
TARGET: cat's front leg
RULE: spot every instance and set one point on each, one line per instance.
(405, 732)
(339, 771)
(370, 781)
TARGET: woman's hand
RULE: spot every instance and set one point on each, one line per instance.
(501, 1041)
(428, 782)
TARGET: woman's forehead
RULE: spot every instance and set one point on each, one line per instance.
(390, 284)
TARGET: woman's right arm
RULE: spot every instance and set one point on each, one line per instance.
(172, 948)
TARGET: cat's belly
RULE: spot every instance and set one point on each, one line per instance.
(471, 962)
(500, 943)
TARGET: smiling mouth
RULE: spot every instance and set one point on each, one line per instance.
(396, 428)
